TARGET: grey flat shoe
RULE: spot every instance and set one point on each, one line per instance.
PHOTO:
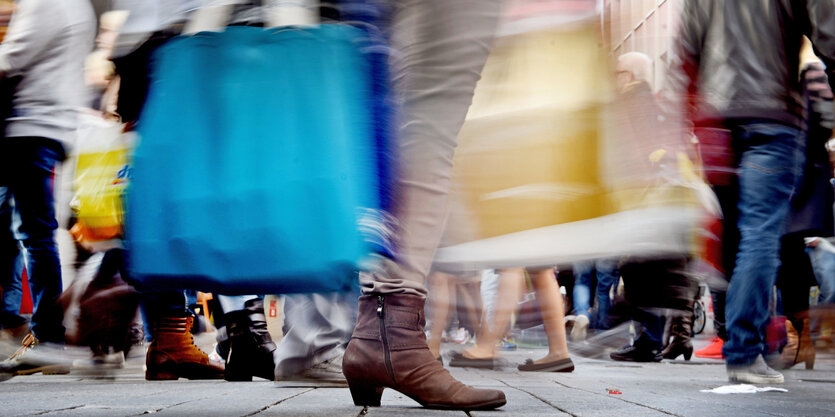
(459, 360)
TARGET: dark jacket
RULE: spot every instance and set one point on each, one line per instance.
(739, 59)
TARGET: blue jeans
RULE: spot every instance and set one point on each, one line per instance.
(12, 292)
(10, 280)
(769, 166)
(27, 169)
(823, 263)
(607, 276)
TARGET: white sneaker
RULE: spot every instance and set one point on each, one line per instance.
(755, 373)
(581, 327)
(462, 336)
(325, 374)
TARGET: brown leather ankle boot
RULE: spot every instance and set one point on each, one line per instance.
(388, 350)
(805, 348)
(173, 354)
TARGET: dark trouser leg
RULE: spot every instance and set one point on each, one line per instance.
(30, 181)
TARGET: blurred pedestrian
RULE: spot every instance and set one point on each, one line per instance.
(45, 46)
(445, 298)
(605, 274)
(551, 308)
(738, 62)
(651, 285)
(810, 215)
(441, 48)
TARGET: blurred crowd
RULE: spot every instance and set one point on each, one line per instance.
(532, 188)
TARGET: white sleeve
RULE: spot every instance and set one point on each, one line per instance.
(34, 25)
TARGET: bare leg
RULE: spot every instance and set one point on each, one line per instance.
(551, 307)
(441, 292)
(510, 288)
(470, 304)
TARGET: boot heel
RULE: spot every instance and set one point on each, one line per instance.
(365, 395)
(688, 354)
(810, 363)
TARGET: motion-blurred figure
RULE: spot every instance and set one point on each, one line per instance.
(738, 62)
(605, 273)
(45, 46)
(810, 216)
(652, 284)
(442, 47)
(445, 297)
(550, 302)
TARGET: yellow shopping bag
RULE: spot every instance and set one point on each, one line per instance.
(545, 174)
(528, 151)
(101, 176)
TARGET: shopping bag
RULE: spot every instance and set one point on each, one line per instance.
(102, 173)
(256, 163)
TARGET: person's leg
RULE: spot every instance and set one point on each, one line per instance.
(230, 303)
(583, 284)
(11, 266)
(550, 303)
(317, 328)
(728, 198)
(32, 188)
(653, 329)
(441, 48)
(607, 277)
(107, 309)
(469, 305)
(646, 287)
(582, 287)
(439, 301)
(794, 278)
(511, 282)
(767, 175)
(823, 263)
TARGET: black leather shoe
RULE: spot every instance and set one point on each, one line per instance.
(636, 353)
(250, 345)
(677, 348)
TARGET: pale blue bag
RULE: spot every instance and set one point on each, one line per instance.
(256, 159)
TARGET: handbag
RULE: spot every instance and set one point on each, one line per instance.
(256, 163)
(102, 173)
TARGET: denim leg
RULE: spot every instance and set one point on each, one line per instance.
(607, 276)
(582, 287)
(653, 328)
(11, 266)
(32, 188)
(823, 263)
(767, 174)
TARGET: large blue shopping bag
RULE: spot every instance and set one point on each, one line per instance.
(257, 159)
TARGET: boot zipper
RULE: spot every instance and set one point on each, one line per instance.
(381, 316)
